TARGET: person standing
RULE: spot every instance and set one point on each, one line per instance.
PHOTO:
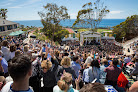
(75, 65)
(20, 69)
(112, 73)
(5, 50)
(4, 65)
(49, 79)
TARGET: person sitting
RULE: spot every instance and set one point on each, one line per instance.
(135, 71)
(64, 84)
(20, 69)
(112, 73)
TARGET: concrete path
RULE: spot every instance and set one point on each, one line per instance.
(126, 45)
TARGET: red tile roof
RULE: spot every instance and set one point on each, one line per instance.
(70, 30)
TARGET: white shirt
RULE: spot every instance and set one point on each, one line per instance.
(88, 60)
(6, 53)
(7, 88)
(12, 54)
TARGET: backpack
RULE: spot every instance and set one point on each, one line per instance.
(122, 80)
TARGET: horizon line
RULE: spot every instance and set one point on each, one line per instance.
(65, 19)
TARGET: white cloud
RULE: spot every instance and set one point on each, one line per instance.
(73, 16)
(5, 4)
(15, 7)
(116, 12)
(12, 0)
(29, 2)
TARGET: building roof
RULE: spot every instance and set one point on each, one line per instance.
(4, 22)
(89, 32)
(111, 38)
(70, 30)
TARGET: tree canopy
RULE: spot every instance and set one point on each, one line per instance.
(3, 13)
(127, 29)
(91, 14)
(50, 18)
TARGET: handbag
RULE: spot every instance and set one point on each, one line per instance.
(122, 80)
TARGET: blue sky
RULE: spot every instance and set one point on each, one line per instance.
(28, 9)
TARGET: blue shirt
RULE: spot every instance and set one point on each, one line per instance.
(48, 45)
(4, 65)
(76, 67)
(49, 56)
(127, 59)
(109, 62)
(43, 49)
(94, 72)
(86, 75)
(102, 73)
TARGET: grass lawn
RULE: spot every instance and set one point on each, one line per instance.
(81, 30)
(99, 30)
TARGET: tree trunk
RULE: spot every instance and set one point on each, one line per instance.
(53, 36)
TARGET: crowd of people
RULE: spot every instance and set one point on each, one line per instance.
(39, 67)
(134, 46)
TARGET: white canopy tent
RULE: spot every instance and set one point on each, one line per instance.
(108, 38)
(70, 39)
(88, 36)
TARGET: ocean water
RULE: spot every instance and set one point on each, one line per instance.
(69, 23)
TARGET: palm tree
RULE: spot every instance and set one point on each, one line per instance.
(3, 13)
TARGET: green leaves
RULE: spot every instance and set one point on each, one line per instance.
(91, 14)
(127, 29)
(50, 18)
(3, 13)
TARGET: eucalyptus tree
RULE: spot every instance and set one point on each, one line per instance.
(127, 29)
(51, 17)
(3, 13)
(91, 14)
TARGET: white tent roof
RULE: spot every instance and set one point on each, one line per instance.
(109, 38)
(89, 32)
(70, 38)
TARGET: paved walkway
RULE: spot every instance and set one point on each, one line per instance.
(27, 39)
(126, 45)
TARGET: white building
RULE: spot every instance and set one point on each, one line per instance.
(89, 36)
(7, 27)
